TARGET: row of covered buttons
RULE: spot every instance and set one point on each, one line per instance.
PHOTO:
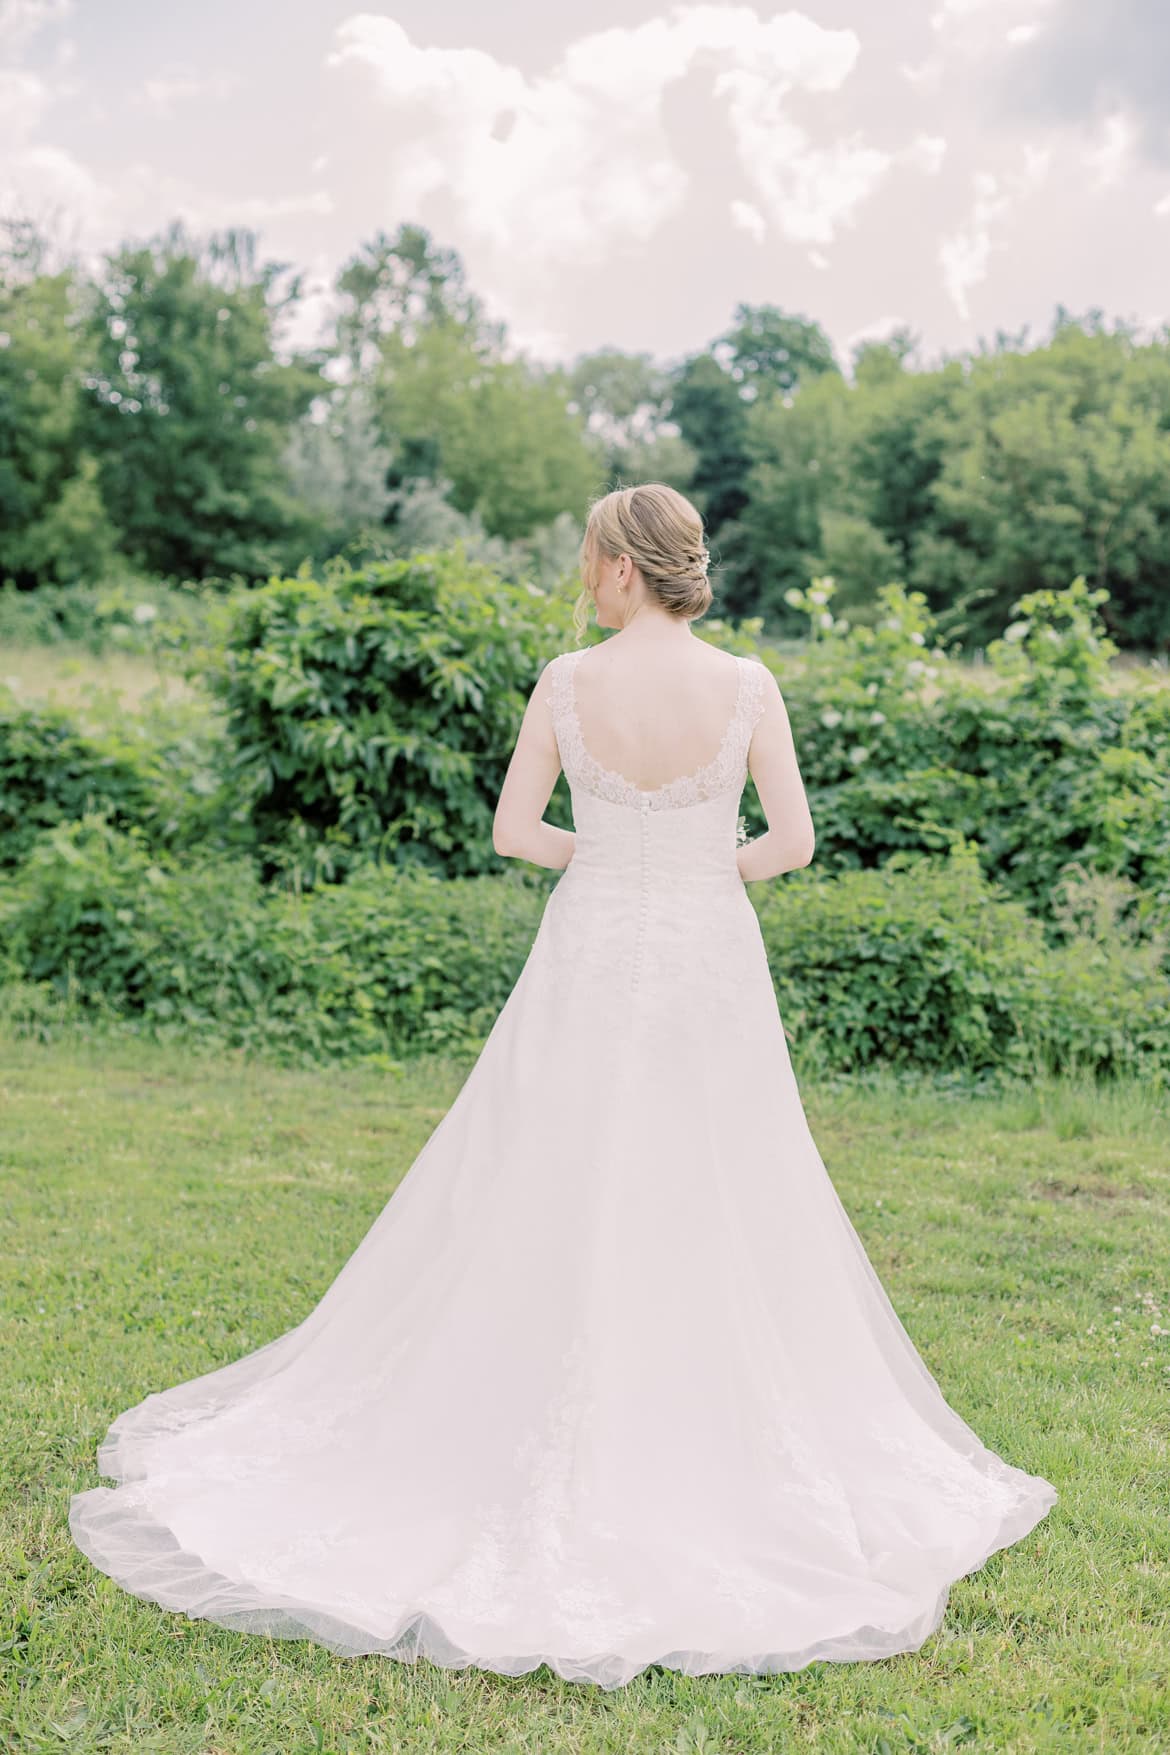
(643, 899)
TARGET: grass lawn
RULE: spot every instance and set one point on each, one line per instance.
(69, 676)
(165, 1211)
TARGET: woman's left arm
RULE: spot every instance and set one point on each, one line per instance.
(518, 828)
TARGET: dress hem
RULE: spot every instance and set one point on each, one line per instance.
(129, 1546)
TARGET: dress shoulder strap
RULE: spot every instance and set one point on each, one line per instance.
(751, 702)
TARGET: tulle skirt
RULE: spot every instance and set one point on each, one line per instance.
(610, 1381)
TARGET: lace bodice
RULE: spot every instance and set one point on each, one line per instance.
(726, 770)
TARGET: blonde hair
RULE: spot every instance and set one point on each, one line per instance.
(662, 533)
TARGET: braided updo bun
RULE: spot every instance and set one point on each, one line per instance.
(662, 533)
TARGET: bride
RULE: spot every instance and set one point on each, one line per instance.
(610, 1381)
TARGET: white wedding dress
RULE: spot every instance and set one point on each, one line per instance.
(610, 1381)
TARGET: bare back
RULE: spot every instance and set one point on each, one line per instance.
(658, 723)
(654, 711)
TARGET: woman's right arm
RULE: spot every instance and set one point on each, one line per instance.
(790, 839)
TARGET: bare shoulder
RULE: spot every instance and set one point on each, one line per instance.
(717, 657)
(764, 675)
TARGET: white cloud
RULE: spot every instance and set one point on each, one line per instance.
(807, 190)
(24, 96)
(571, 174)
(926, 152)
(926, 74)
(749, 219)
(567, 163)
(56, 175)
(609, 193)
(1108, 155)
(965, 254)
(21, 19)
(955, 12)
(162, 93)
(34, 175)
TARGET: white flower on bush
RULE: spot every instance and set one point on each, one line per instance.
(830, 717)
(144, 612)
(1016, 631)
(877, 718)
(918, 639)
(825, 619)
(794, 597)
(858, 754)
(915, 667)
(871, 688)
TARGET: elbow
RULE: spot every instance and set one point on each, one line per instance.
(504, 838)
(800, 851)
(805, 849)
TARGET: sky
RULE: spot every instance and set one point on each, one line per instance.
(623, 175)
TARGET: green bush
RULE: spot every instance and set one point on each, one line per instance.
(1047, 761)
(923, 963)
(373, 715)
(50, 773)
(160, 771)
(919, 964)
(388, 962)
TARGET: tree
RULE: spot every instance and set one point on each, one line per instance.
(771, 353)
(774, 544)
(624, 398)
(398, 286)
(54, 526)
(1060, 467)
(338, 465)
(501, 431)
(712, 417)
(187, 410)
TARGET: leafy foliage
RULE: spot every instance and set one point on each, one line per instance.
(501, 431)
(160, 771)
(187, 410)
(922, 963)
(50, 774)
(374, 715)
(148, 415)
(54, 526)
(402, 962)
(1044, 763)
(975, 483)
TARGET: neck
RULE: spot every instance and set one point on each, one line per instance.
(646, 623)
